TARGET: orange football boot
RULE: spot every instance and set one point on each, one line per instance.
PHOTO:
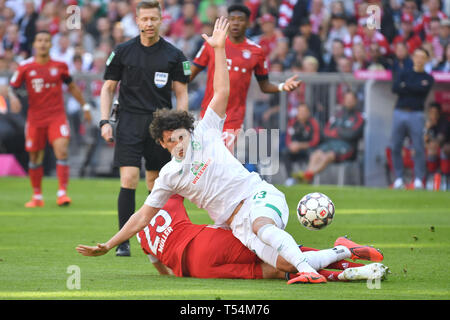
(308, 277)
(34, 203)
(358, 251)
(63, 200)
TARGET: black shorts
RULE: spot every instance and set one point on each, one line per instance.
(133, 141)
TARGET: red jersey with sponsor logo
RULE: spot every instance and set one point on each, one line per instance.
(243, 59)
(168, 234)
(44, 86)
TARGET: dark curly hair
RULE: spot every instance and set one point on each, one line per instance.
(169, 120)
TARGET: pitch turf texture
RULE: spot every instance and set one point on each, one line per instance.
(412, 228)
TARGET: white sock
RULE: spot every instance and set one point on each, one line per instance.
(38, 196)
(61, 193)
(323, 258)
(286, 246)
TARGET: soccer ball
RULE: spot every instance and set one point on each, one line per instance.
(315, 211)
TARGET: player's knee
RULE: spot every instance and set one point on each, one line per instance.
(129, 180)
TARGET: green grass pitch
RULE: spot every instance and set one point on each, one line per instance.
(37, 246)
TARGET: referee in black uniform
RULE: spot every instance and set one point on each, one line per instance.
(148, 68)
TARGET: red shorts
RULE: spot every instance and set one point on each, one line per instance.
(36, 137)
(216, 253)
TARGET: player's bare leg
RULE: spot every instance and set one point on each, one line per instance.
(61, 150)
(126, 202)
(36, 173)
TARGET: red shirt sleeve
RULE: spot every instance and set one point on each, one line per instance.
(203, 56)
(18, 77)
(262, 67)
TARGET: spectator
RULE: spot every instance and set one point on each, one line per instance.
(127, 18)
(338, 31)
(319, 18)
(270, 34)
(369, 36)
(337, 51)
(189, 11)
(349, 40)
(283, 53)
(190, 41)
(377, 60)
(63, 51)
(435, 136)
(407, 34)
(291, 13)
(359, 57)
(345, 65)
(402, 60)
(444, 66)
(435, 40)
(27, 26)
(412, 88)
(303, 135)
(423, 26)
(313, 40)
(341, 133)
(300, 49)
(104, 30)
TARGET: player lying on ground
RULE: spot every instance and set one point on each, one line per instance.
(177, 246)
(205, 172)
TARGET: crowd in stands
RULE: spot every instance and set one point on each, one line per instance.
(311, 36)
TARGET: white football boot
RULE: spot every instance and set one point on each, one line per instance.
(368, 272)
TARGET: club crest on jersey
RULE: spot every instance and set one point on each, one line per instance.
(161, 79)
(246, 54)
(196, 166)
(53, 72)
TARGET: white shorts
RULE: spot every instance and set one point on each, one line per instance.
(266, 201)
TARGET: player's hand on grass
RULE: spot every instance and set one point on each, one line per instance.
(217, 40)
(291, 83)
(99, 250)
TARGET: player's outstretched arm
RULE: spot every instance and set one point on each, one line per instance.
(136, 223)
(289, 85)
(221, 82)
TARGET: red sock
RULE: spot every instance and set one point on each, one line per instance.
(330, 275)
(344, 264)
(62, 172)
(36, 173)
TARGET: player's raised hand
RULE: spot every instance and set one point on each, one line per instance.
(291, 83)
(99, 250)
(217, 40)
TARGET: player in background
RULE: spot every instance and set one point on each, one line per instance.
(244, 57)
(46, 118)
(178, 247)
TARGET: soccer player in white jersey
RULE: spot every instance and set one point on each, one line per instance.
(205, 172)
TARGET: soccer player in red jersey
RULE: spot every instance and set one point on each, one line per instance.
(244, 57)
(46, 118)
(178, 247)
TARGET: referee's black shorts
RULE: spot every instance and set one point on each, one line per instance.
(133, 141)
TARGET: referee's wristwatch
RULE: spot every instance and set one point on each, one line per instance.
(102, 123)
